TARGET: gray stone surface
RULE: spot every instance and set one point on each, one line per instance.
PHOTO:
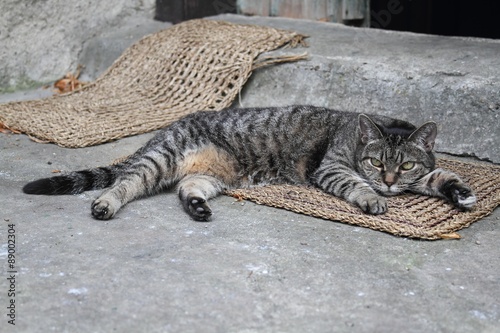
(101, 51)
(452, 81)
(41, 40)
(254, 268)
(98, 53)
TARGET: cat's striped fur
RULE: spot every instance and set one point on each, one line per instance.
(352, 156)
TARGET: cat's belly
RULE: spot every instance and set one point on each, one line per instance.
(242, 172)
(212, 161)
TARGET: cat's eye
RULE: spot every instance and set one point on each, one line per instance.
(407, 166)
(376, 163)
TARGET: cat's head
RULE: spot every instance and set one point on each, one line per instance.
(393, 158)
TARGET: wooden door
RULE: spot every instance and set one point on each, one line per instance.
(176, 11)
(350, 12)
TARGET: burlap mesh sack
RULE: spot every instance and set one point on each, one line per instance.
(409, 215)
(192, 66)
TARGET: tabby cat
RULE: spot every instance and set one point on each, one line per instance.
(353, 156)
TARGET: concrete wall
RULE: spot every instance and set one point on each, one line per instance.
(41, 40)
(415, 77)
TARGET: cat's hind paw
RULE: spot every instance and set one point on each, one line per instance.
(198, 208)
(102, 209)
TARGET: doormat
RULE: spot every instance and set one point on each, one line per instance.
(196, 65)
(413, 216)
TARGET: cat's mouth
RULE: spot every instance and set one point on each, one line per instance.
(389, 190)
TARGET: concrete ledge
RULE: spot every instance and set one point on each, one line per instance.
(452, 81)
(100, 52)
(41, 40)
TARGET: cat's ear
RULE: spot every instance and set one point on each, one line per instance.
(368, 130)
(425, 136)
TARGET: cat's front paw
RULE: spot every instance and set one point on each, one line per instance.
(372, 204)
(102, 209)
(461, 195)
(198, 208)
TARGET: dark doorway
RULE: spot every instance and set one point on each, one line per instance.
(440, 17)
(176, 11)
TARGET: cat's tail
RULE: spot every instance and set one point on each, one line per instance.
(74, 182)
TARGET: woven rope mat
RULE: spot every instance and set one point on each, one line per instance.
(408, 215)
(192, 66)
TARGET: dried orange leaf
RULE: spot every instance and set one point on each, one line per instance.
(238, 197)
(7, 130)
(453, 235)
(69, 82)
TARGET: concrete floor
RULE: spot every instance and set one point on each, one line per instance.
(252, 269)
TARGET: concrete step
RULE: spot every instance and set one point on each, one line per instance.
(101, 51)
(98, 53)
(452, 81)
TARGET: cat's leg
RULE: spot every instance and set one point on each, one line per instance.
(147, 175)
(342, 181)
(195, 191)
(447, 185)
(122, 192)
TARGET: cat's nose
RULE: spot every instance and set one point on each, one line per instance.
(389, 179)
(389, 184)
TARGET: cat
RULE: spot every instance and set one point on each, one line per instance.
(353, 156)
